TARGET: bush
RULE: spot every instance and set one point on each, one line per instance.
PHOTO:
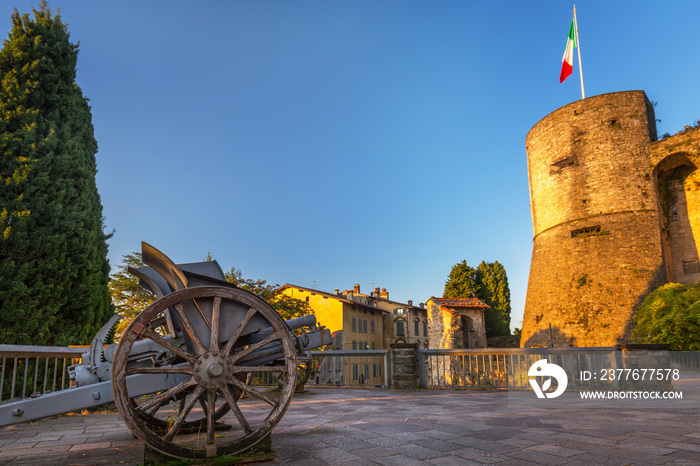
(670, 315)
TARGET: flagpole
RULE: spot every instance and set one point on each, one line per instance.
(578, 46)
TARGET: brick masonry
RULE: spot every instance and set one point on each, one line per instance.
(615, 215)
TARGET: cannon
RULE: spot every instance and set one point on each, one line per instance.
(182, 374)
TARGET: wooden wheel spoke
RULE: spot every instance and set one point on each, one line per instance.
(255, 347)
(183, 413)
(211, 408)
(160, 370)
(159, 400)
(253, 392)
(246, 319)
(155, 408)
(236, 410)
(170, 347)
(239, 369)
(199, 347)
(216, 309)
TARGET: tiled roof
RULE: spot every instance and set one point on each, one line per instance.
(461, 302)
(332, 296)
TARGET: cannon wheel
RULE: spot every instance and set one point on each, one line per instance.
(224, 384)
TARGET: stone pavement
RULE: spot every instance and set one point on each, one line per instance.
(376, 426)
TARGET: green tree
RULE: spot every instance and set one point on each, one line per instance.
(670, 315)
(489, 283)
(53, 250)
(286, 306)
(462, 282)
(495, 292)
(128, 297)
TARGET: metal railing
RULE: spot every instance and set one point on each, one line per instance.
(29, 371)
(370, 368)
(506, 367)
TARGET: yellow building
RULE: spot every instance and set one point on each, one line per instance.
(368, 321)
(359, 319)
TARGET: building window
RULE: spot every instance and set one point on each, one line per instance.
(561, 164)
(425, 329)
(364, 326)
(583, 232)
(354, 345)
(399, 329)
(374, 370)
(354, 325)
(371, 327)
(373, 345)
(354, 372)
(307, 299)
(691, 267)
(415, 328)
(399, 312)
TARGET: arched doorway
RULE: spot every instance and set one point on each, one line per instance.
(678, 182)
(467, 332)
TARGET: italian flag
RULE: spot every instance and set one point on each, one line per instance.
(567, 62)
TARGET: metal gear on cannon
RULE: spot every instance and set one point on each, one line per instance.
(186, 362)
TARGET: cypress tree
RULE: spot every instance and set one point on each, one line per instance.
(496, 293)
(53, 250)
(489, 283)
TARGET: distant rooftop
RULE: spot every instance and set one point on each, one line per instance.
(461, 303)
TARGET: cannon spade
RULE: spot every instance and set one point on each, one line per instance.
(182, 374)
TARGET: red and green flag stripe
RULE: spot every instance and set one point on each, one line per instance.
(567, 65)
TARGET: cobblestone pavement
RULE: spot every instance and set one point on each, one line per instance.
(376, 426)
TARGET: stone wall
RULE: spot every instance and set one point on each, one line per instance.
(446, 327)
(404, 365)
(595, 207)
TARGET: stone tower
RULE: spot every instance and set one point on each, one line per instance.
(613, 214)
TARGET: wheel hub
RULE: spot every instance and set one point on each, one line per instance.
(213, 369)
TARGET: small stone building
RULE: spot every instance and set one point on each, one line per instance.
(456, 323)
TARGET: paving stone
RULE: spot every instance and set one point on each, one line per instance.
(454, 461)
(333, 455)
(685, 455)
(555, 450)
(418, 452)
(375, 452)
(399, 460)
(636, 455)
(539, 457)
(434, 427)
(684, 446)
(91, 446)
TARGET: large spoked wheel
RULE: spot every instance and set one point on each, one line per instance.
(205, 380)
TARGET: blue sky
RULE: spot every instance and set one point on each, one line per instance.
(332, 143)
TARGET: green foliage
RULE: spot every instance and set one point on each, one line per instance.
(53, 250)
(670, 315)
(286, 306)
(462, 282)
(128, 297)
(489, 283)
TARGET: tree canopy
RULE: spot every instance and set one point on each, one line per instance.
(128, 297)
(53, 250)
(670, 315)
(489, 283)
(286, 306)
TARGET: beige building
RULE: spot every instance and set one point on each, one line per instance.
(456, 323)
